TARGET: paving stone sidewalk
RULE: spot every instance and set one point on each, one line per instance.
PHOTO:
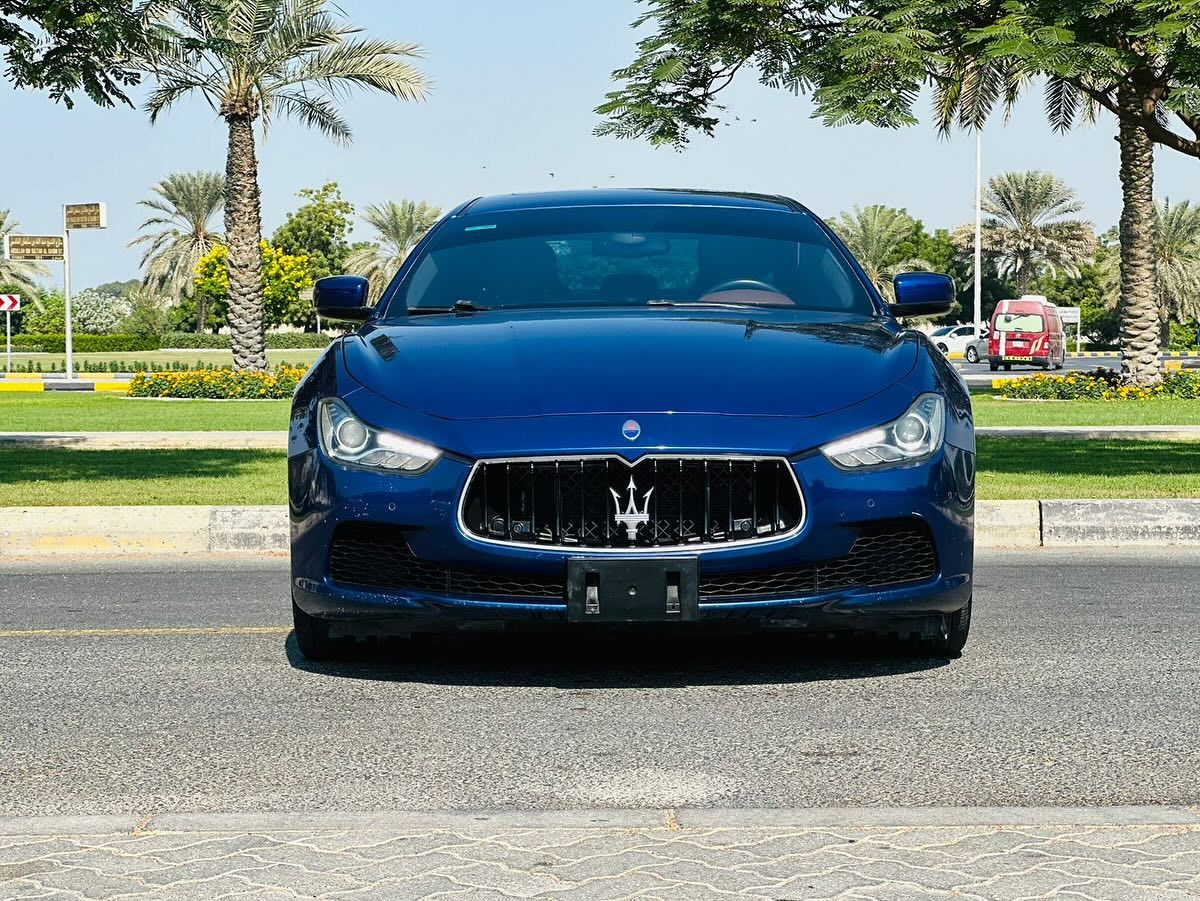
(1149, 853)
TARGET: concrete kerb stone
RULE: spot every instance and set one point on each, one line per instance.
(247, 529)
(26, 531)
(111, 531)
(1121, 522)
(1008, 524)
(636, 819)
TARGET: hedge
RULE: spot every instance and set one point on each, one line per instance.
(83, 343)
(218, 383)
(1100, 384)
(275, 341)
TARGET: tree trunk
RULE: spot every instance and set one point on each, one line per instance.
(201, 312)
(1140, 321)
(243, 230)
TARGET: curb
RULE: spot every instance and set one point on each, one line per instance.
(37, 386)
(669, 819)
(109, 531)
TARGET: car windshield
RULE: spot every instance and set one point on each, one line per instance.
(1020, 322)
(646, 256)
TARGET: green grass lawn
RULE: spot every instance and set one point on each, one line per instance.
(298, 356)
(33, 477)
(60, 411)
(1008, 468)
(991, 410)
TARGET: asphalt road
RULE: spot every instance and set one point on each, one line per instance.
(1080, 685)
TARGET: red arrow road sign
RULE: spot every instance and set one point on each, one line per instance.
(10, 303)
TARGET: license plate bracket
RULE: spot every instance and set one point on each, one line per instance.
(664, 589)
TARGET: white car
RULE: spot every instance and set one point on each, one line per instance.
(959, 339)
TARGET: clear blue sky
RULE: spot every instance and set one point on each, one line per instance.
(514, 88)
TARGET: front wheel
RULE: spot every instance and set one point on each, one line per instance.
(993, 365)
(943, 348)
(972, 355)
(313, 639)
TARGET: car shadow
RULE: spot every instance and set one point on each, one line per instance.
(620, 660)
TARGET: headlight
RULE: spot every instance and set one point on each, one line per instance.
(347, 439)
(914, 436)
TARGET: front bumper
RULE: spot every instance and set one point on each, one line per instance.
(841, 505)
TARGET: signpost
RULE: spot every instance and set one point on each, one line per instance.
(9, 303)
(58, 247)
(34, 247)
(1069, 315)
(76, 215)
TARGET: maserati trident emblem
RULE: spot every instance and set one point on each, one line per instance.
(631, 429)
(631, 518)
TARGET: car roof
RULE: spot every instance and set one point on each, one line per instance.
(629, 197)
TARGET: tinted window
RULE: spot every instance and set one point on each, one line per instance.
(631, 256)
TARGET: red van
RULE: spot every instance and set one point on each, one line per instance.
(1028, 330)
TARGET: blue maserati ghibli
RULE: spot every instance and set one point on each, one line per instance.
(670, 409)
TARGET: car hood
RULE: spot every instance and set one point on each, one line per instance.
(527, 363)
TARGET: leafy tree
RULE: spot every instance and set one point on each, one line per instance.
(318, 230)
(874, 234)
(149, 313)
(868, 61)
(18, 275)
(255, 59)
(1029, 227)
(45, 314)
(99, 47)
(399, 226)
(118, 289)
(97, 313)
(285, 279)
(180, 230)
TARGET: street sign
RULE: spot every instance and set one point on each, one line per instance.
(85, 215)
(1069, 315)
(9, 303)
(34, 247)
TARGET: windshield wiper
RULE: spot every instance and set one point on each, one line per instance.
(702, 303)
(460, 306)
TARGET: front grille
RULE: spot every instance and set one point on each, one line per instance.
(375, 555)
(884, 554)
(607, 503)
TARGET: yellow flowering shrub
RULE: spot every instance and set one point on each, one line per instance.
(218, 383)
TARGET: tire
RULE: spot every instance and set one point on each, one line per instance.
(972, 355)
(943, 348)
(312, 637)
(993, 365)
(1008, 367)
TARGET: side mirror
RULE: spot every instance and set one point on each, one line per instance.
(922, 294)
(342, 297)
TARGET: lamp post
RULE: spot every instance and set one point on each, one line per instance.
(978, 231)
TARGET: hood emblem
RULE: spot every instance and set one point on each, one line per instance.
(631, 429)
(631, 517)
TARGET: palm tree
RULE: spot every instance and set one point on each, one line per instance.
(18, 274)
(873, 234)
(1177, 259)
(254, 59)
(185, 205)
(1176, 263)
(1030, 227)
(399, 226)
